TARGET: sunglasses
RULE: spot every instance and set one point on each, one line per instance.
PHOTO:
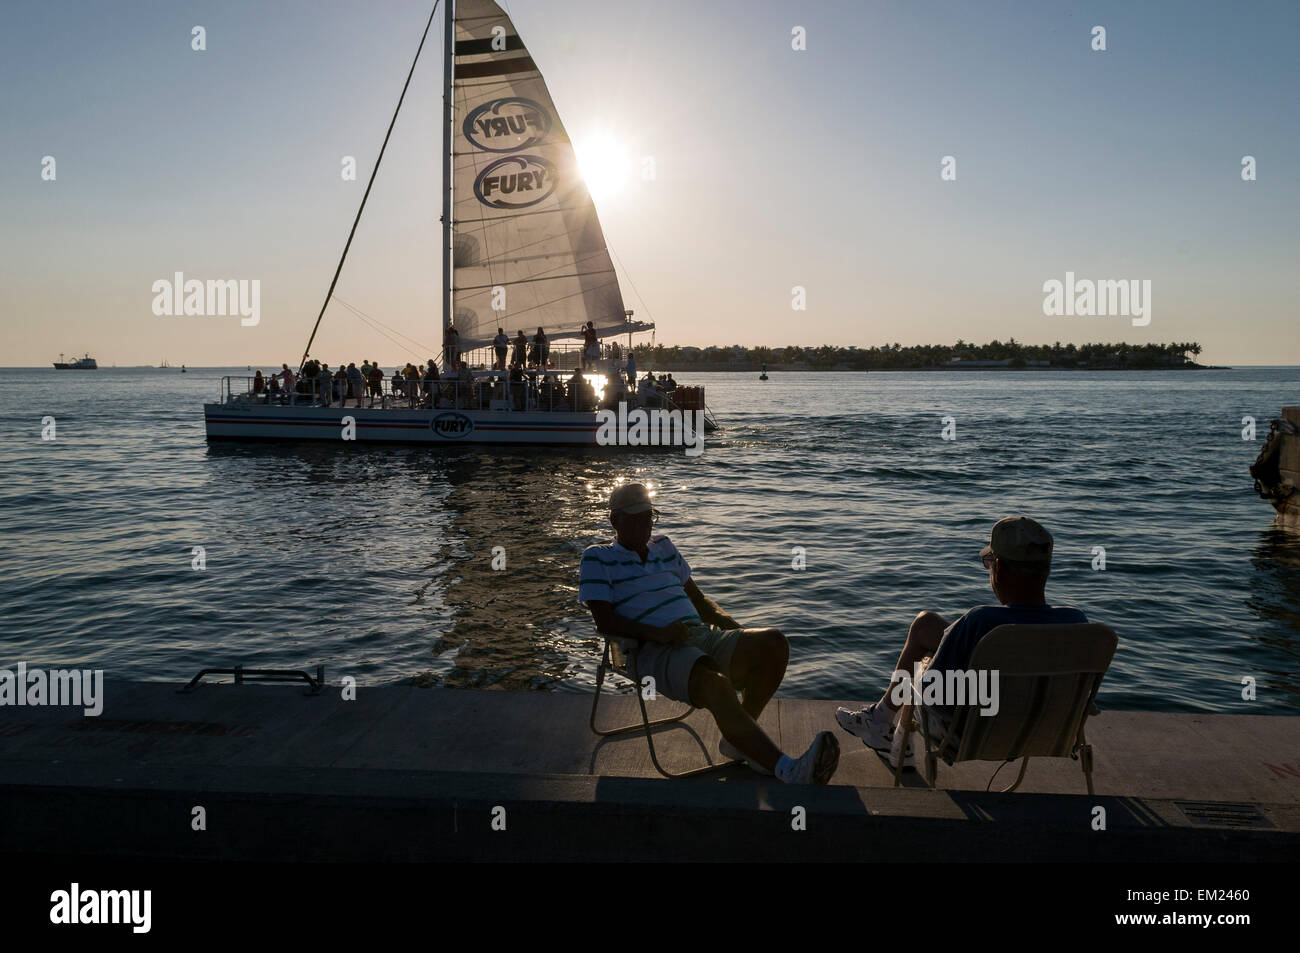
(654, 516)
(988, 560)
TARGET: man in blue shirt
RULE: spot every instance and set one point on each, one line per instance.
(1018, 559)
(640, 592)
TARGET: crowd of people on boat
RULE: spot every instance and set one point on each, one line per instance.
(522, 386)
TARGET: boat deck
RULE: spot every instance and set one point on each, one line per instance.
(411, 773)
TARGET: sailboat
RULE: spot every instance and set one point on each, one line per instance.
(522, 249)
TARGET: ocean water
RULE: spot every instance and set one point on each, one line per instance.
(377, 562)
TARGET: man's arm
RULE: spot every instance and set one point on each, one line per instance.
(608, 622)
(710, 612)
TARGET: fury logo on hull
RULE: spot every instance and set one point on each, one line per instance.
(507, 125)
(451, 426)
(515, 182)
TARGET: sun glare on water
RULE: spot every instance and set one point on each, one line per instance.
(605, 165)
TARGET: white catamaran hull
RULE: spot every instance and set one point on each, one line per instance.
(423, 426)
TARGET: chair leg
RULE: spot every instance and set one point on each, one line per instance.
(1019, 777)
(1085, 759)
(931, 769)
(644, 725)
(905, 726)
(650, 740)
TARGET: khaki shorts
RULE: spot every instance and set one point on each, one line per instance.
(670, 665)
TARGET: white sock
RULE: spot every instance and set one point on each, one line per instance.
(784, 767)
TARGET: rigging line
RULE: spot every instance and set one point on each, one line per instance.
(390, 337)
(502, 256)
(357, 311)
(628, 276)
(541, 274)
(528, 281)
(378, 330)
(373, 173)
(547, 304)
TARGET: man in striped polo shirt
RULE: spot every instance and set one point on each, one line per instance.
(639, 588)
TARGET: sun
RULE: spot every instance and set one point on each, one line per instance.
(605, 165)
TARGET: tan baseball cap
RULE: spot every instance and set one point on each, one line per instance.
(630, 498)
(1019, 539)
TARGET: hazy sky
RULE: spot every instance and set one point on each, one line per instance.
(774, 168)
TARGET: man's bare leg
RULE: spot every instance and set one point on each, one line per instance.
(711, 690)
(758, 666)
(923, 637)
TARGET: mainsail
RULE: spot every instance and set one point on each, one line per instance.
(526, 236)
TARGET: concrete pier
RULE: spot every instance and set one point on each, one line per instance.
(407, 773)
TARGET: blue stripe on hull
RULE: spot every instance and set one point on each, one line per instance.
(221, 423)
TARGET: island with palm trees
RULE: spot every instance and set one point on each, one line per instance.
(995, 355)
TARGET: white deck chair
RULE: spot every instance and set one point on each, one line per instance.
(1048, 676)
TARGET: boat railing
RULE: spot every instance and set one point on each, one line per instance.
(532, 390)
(560, 356)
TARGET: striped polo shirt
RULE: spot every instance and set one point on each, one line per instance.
(651, 592)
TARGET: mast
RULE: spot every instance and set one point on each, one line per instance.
(448, 56)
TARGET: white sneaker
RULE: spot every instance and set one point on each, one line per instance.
(818, 763)
(873, 724)
(731, 752)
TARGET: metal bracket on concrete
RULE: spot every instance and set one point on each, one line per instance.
(262, 675)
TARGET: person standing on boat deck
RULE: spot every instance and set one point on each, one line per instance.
(520, 354)
(412, 375)
(631, 370)
(1018, 559)
(365, 379)
(324, 383)
(590, 347)
(450, 348)
(259, 383)
(430, 381)
(501, 344)
(543, 349)
(356, 383)
(286, 376)
(640, 588)
(375, 380)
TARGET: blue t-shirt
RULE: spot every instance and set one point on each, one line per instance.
(959, 639)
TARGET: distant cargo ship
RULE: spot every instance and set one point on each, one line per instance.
(86, 363)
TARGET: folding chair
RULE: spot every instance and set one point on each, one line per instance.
(1048, 676)
(619, 656)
